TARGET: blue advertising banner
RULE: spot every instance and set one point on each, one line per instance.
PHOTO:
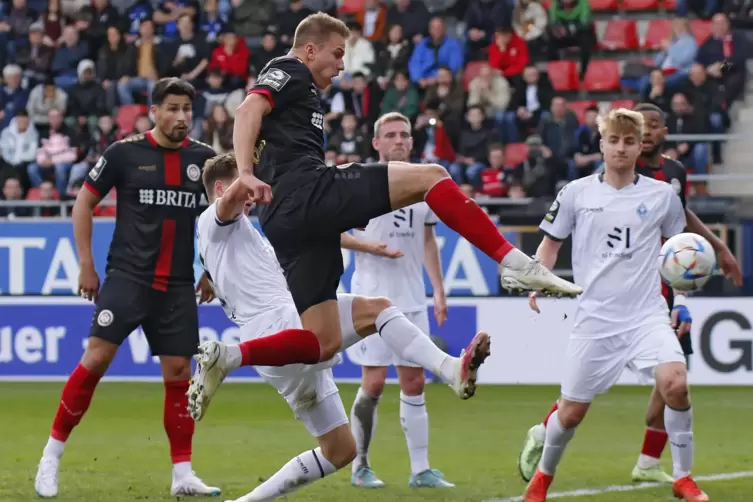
(44, 338)
(39, 258)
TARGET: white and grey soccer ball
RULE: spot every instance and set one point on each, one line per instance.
(686, 262)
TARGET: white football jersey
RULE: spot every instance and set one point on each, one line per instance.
(244, 271)
(401, 279)
(615, 249)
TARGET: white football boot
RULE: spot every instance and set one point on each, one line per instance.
(46, 482)
(520, 272)
(192, 486)
(211, 370)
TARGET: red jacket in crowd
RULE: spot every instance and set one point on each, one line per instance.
(513, 59)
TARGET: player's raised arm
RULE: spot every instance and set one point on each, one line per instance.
(248, 118)
(225, 190)
(433, 265)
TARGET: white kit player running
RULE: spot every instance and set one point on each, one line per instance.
(250, 285)
(617, 220)
(410, 233)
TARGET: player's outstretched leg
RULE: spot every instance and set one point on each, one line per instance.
(671, 382)
(411, 182)
(648, 467)
(533, 447)
(363, 419)
(180, 429)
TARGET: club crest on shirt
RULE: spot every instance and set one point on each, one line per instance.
(551, 215)
(275, 79)
(193, 172)
(642, 210)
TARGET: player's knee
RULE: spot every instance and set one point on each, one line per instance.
(339, 447)
(412, 381)
(571, 414)
(373, 381)
(329, 347)
(98, 355)
(675, 391)
(433, 173)
(365, 313)
(175, 368)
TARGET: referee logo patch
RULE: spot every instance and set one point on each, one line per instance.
(276, 79)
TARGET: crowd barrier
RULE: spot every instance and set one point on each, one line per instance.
(43, 339)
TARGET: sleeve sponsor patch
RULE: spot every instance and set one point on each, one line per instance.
(274, 78)
(551, 215)
(96, 171)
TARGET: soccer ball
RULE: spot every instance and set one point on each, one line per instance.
(686, 262)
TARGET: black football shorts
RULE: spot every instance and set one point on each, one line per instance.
(170, 319)
(305, 226)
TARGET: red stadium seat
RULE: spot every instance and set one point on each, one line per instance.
(471, 71)
(515, 154)
(622, 103)
(602, 75)
(127, 116)
(657, 32)
(563, 75)
(668, 4)
(579, 108)
(620, 35)
(640, 4)
(603, 4)
(351, 6)
(701, 29)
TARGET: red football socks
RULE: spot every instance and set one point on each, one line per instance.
(551, 412)
(654, 442)
(465, 217)
(179, 425)
(289, 346)
(77, 395)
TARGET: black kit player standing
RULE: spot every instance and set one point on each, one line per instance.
(150, 275)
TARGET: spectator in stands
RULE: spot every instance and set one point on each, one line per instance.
(251, 18)
(434, 52)
(218, 129)
(71, 52)
(18, 147)
(656, 91)
(432, 140)
(214, 93)
(723, 46)
(494, 182)
(115, 62)
(529, 20)
(358, 96)
(701, 8)
(189, 53)
(570, 25)
(739, 13)
(47, 194)
(148, 65)
(538, 174)
(231, 59)
(531, 99)
(168, 15)
(100, 15)
(708, 102)
(52, 23)
(557, 130)
(13, 97)
(56, 154)
(681, 120)
(359, 54)
(12, 191)
(392, 56)
(142, 124)
(269, 50)
(43, 99)
(676, 57)
(289, 19)
(348, 143)
(236, 97)
(103, 136)
(34, 55)
(70, 8)
(490, 90)
(402, 96)
(472, 149)
(373, 19)
(587, 151)
(508, 53)
(18, 21)
(212, 23)
(412, 15)
(135, 14)
(481, 19)
(87, 97)
(447, 98)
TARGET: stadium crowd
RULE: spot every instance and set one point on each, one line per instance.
(76, 76)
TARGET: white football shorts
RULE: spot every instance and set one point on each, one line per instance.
(593, 365)
(310, 390)
(373, 351)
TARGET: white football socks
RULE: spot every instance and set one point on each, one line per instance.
(363, 419)
(555, 442)
(679, 426)
(415, 422)
(300, 471)
(54, 448)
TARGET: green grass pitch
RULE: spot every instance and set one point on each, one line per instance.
(120, 453)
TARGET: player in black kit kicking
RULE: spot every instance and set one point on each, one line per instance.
(278, 141)
(149, 279)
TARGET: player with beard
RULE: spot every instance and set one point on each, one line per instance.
(653, 164)
(150, 276)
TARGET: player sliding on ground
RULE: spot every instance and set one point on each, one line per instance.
(653, 164)
(279, 137)
(250, 286)
(409, 234)
(617, 219)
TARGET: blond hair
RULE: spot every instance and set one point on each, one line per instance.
(387, 118)
(219, 168)
(621, 121)
(317, 28)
